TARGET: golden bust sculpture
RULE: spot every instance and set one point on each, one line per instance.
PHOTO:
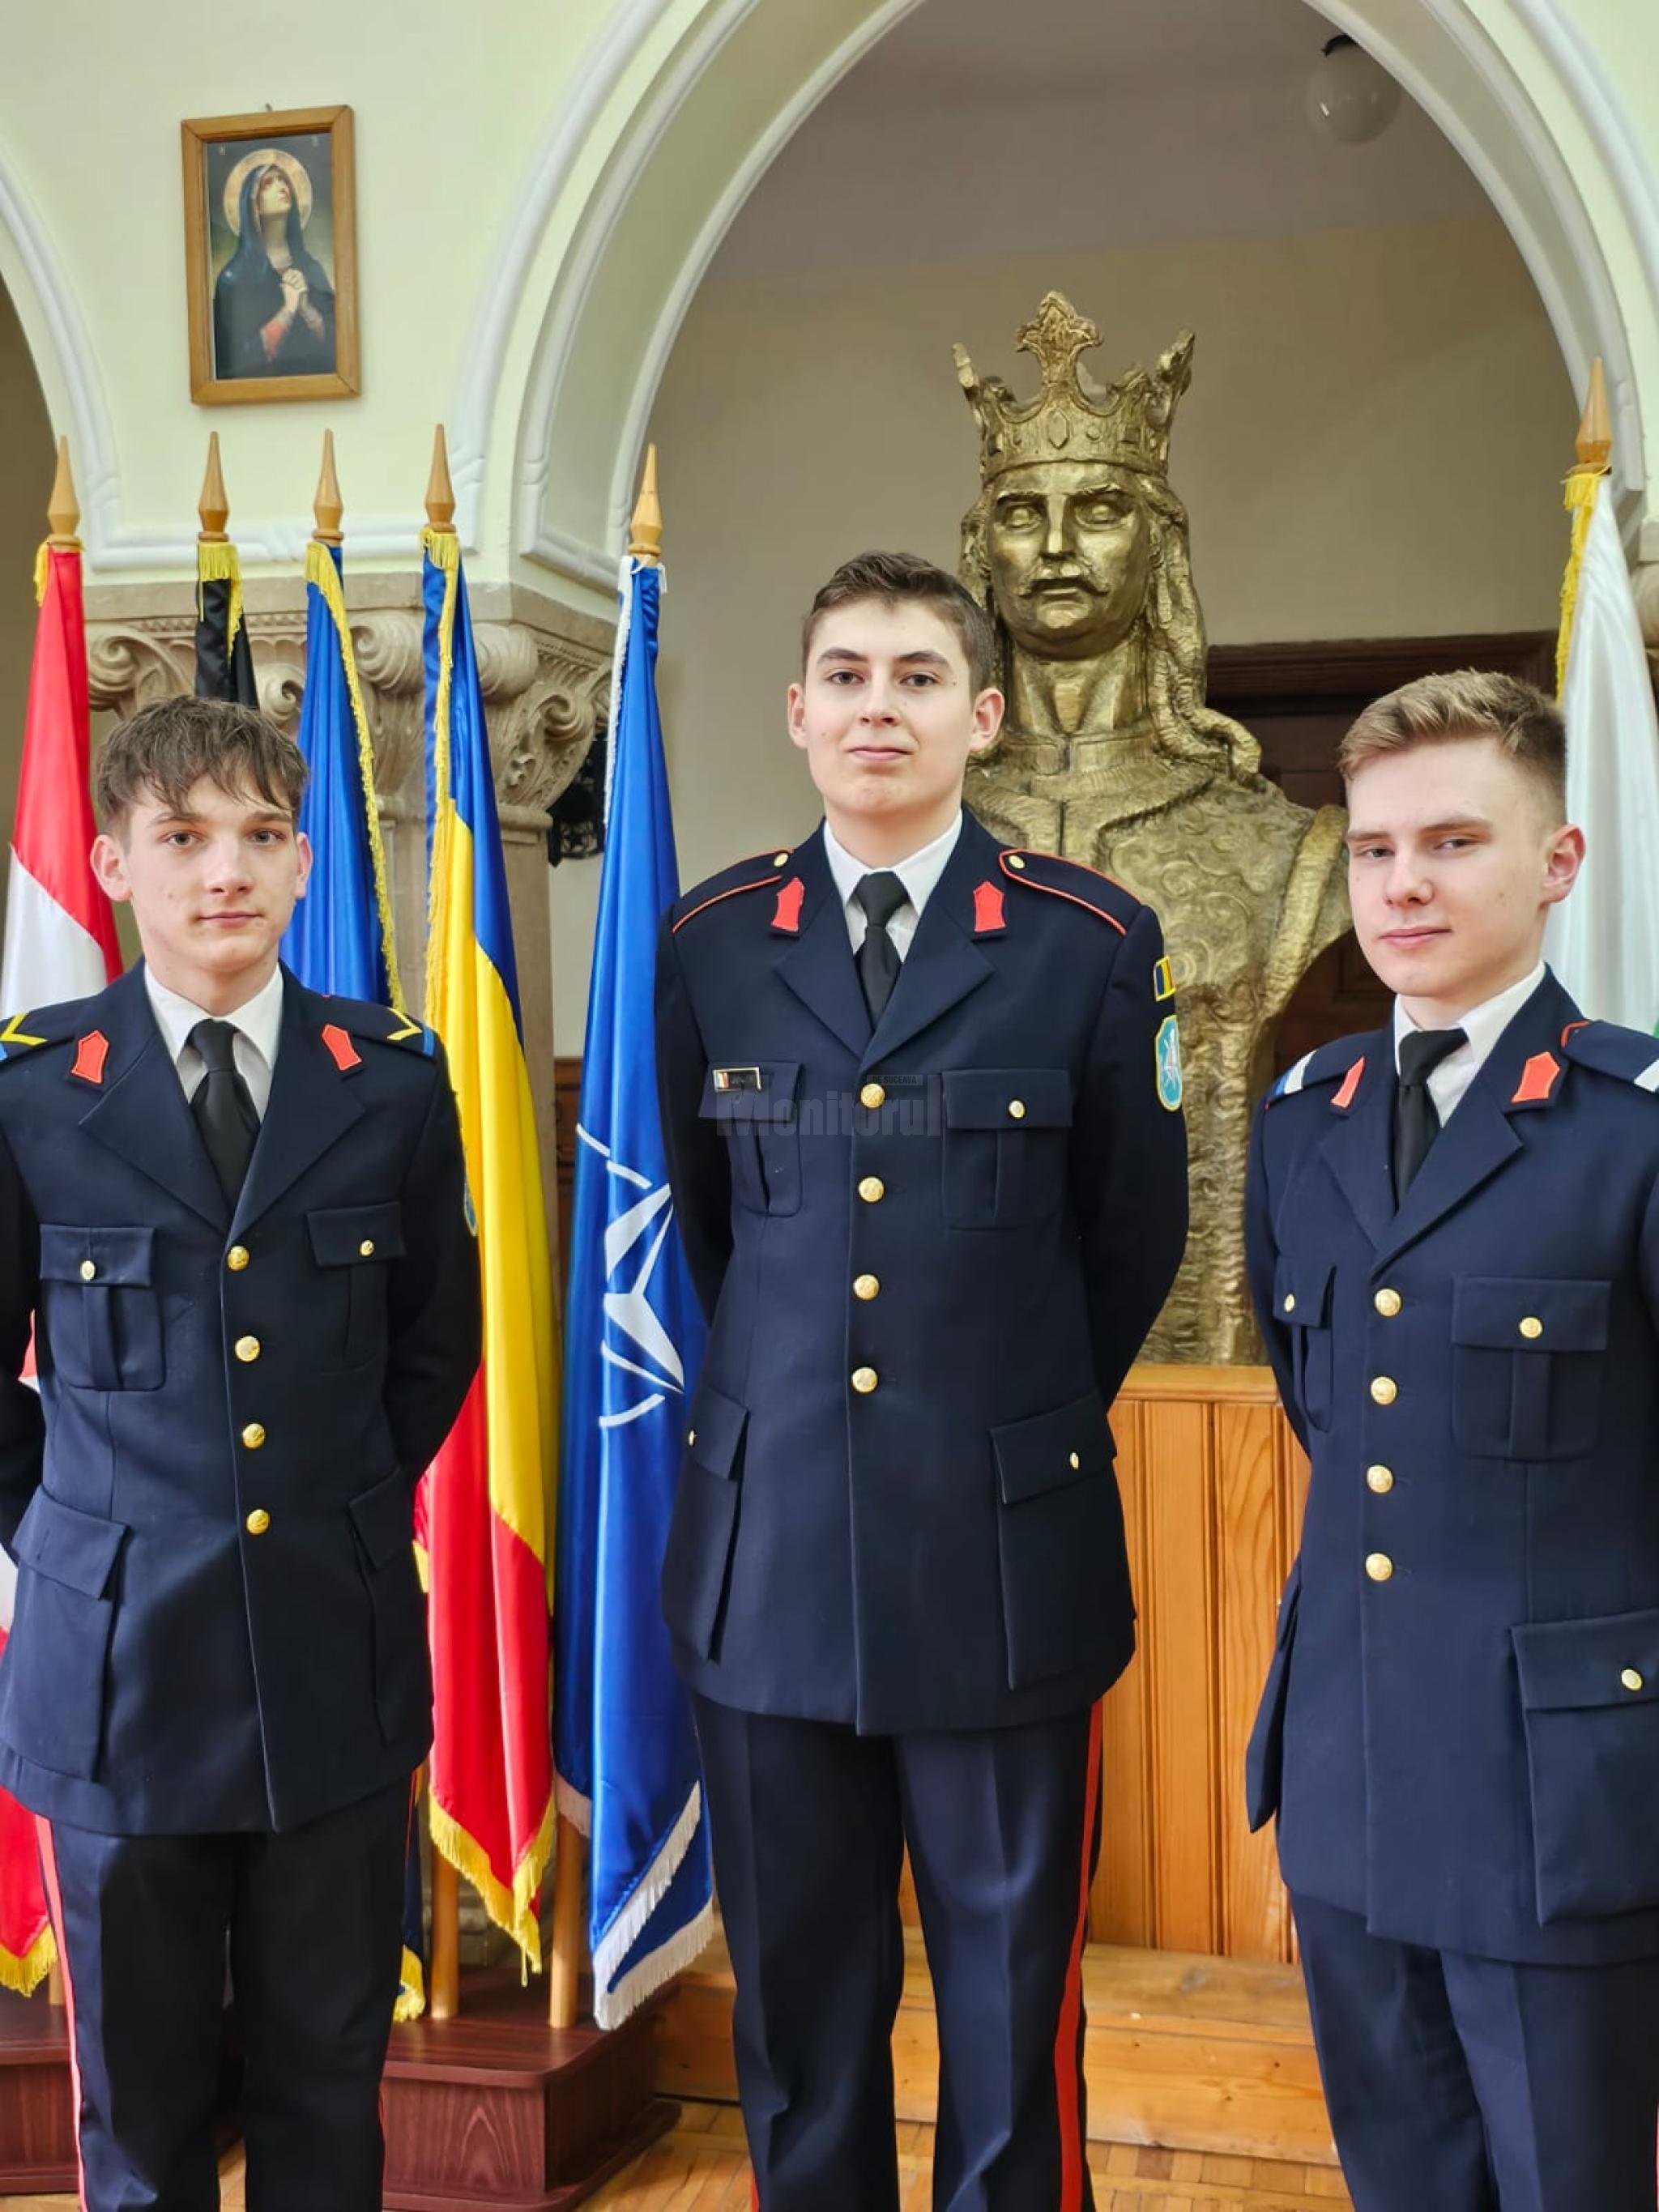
(1078, 548)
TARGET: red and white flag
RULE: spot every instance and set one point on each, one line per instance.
(59, 944)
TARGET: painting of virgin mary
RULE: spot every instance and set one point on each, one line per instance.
(273, 304)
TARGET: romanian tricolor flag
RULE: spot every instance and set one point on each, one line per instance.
(489, 1496)
(59, 944)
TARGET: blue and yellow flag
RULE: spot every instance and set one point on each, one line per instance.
(624, 1752)
(340, 939)
(487, 1498)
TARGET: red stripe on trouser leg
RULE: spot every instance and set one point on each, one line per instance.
(1068, 2056)
(55, 1912)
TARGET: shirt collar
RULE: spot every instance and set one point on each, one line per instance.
(1482, 1025)
(919, 874)
(259, 1018)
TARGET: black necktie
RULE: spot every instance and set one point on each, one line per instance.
(1416, 1122)
(881, 896)
(224, 1111)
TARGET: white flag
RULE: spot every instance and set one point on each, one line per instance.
(1603, 941)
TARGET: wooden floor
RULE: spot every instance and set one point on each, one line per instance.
(702, 2167)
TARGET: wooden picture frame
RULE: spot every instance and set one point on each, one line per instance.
(273, 314)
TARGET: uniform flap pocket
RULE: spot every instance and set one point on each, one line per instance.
(340, 1236)
(1516, 1312)
(1007, 1098)
(1051, 1449)
(120, 1257)
(1302, 1293)
(1572, 1664)
(713, 1429)
(759, 1093)
(67, 1546)
(383, 1518)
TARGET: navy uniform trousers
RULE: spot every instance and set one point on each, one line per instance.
(216, 1687)
(895, 1576)
(1460, 1735)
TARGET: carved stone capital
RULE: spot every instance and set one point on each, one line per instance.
(545, 672)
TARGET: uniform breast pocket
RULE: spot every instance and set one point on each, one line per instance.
(352, 1246)
(1302, 1305)
(753, 1106)
(1007, 1135)
(1528, 1361)
(103, 1317)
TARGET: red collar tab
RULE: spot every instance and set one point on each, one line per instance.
(345, 1054)
(1538, 1080)
(988, 911)
(786, 915)
(1344, 1097)
(91, 1052)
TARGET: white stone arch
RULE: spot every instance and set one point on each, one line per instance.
(594, 325)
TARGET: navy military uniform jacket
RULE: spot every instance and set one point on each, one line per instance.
(1460, 1730)
(218, 1621)
(928, 1256)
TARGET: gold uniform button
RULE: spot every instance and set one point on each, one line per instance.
(1075, 1461)
(780, 860)
(237, 1258)
(1290, 1301)
(872, 1095)
(1532, 1326)
(257, 1521)
(1017, 1109)
(253, 1436)
(1388, 1303)
(366, 1249)
(1379, 1478)
(1378, 1565)
(1384, 1390)
(872, 1190)
(864, 1380)
(1015, 861)
(247, 1348)
(866, 1287)
(1631, 1679)
(88, 1271)
(690, 1436)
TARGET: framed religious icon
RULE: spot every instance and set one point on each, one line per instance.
(271, 249)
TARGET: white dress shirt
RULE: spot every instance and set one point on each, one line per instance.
(1482, 1025)
(257, 1024)
(919, 874)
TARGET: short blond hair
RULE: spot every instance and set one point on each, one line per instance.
(1466, 703)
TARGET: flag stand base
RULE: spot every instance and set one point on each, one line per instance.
(37, 2114)
(496, 2110)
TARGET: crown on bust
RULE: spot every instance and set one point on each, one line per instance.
(1071, 419)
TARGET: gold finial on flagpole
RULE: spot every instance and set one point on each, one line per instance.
(328, 506)
(645, 533)
(1595, 442)
(63, 509)
(440, 492)
(213, 507)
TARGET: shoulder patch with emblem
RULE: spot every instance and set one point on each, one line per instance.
(1338, 1061)
(1071, 880)
(760, 871)
(1611, 1049)
(23, 1034)
(1166, 1052)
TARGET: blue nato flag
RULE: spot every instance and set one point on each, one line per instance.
(624, 1752)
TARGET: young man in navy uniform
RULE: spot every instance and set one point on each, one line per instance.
(236, 1212)
(921, 1097)
(1454, 1237)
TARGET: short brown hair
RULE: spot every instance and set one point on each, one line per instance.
(1469, 703)
(164, 750)
(891, 578)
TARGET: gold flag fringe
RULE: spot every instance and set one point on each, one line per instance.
(510, 1909)
(218, 564)
(1579, 497)
(25, 1975)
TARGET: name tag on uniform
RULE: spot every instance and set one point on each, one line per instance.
(738, 1078)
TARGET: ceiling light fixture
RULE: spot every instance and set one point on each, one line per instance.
(1350, 97)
